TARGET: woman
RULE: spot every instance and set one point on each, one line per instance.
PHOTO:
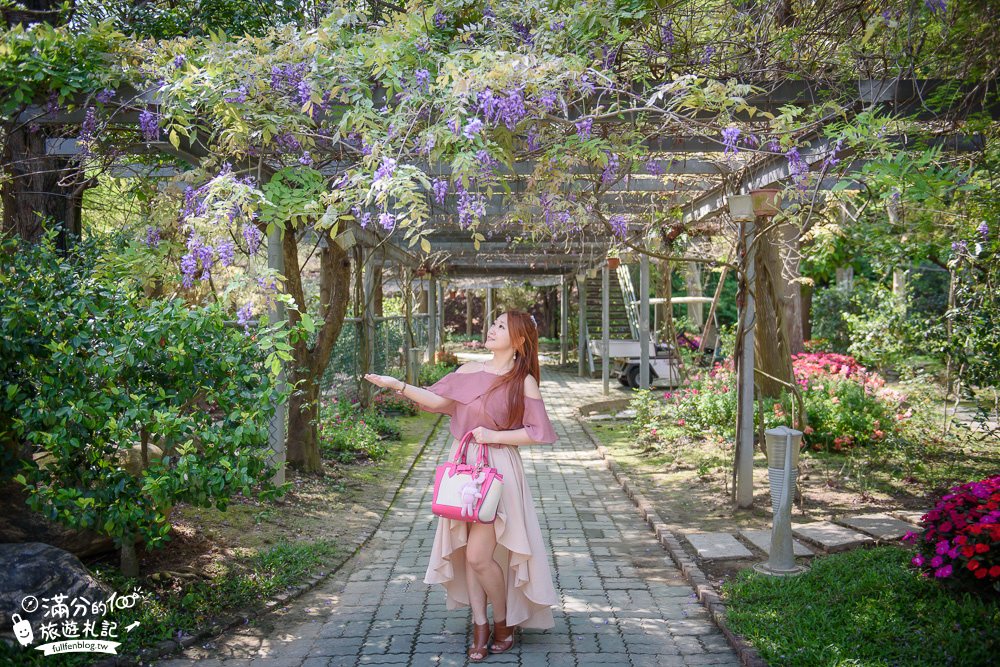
(503, 562)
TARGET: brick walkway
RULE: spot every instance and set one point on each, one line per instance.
(623, 600)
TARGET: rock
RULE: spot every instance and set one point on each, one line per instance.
(43, 571)
(22, 524)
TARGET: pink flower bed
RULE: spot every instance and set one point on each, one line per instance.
(960, 543)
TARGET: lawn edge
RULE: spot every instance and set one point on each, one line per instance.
(707, 595)
(219, 626)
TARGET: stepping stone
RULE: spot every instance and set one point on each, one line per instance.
(908, 516)
(717, 546)
(762, 540)
(829, 536)
(881, 526)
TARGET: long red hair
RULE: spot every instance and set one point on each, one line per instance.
(524, 339)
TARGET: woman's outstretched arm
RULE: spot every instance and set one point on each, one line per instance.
(416, 394)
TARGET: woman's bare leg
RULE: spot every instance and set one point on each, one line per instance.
(481, 566)
(477, 594)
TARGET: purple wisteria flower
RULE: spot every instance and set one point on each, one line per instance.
(304, 90)
(387, 220)
(936, 6)
(87, 129)
(706, 57)
(423, 79)
(423, 45)
(523, 31)
(619, 225)
(440, 19)
(179, 60)
(429, 142)
(238, 96)
(453, 125)
(306, 160)
(149, 123)
(548, 99)
(386, 170)
(227, 252)
(610, 173)
(472, 128)
(984, 230)
(557, 26)
(105, 96)
(583, 127)
(667, 34)
(440, 186)
(287, 143)
(832, 160)
(797, 167)
(960, 247)
(586, 85)
(253, 237)
(152, 239)
(244, 315)
(730, 136)
(532, 141)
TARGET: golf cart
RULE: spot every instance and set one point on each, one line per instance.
(664, 361)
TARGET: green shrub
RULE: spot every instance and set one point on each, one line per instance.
(91, 374)
(645, 427)
(348, 434)
(431, 373)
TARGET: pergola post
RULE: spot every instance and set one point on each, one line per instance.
(367, 314)
(605, 324)
(581, 324)
(644, 321)
(276, 432)
(468, 311)
(431, 318)
(744, 443)
(488, 317)
(440, 310)
(564, 319)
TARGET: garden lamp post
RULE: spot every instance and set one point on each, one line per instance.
(782, 470)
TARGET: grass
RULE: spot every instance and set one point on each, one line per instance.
(866, 607)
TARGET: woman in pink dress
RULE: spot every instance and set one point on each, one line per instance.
(505, 562)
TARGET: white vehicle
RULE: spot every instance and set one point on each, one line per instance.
(664, 363)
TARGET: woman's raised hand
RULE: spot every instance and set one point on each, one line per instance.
(386, 381)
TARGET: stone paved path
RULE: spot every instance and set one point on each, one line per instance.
(623, 600)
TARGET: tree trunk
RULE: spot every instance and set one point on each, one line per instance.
(791, 292)
(807, 297)
(129, 559)
(38, 189)
(309, 362)
(666, 310)
(771, 338)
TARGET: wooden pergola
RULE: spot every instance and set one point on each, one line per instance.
(700, 182)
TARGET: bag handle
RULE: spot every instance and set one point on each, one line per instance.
(481, 457)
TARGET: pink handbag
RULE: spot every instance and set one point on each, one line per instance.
(466, 492)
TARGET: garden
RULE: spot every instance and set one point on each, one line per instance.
(218, 216)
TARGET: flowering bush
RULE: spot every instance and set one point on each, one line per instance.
(960, 543)
(348, 434)
(846, 405)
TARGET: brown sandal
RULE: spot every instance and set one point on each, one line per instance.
(503, 636)
(480, 640)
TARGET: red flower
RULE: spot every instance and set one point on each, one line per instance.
(982, 548)
(995, 571)
(980, 574)
(973, 565)
(968, 551)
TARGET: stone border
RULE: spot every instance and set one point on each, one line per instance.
(220, 625)
(688, 564)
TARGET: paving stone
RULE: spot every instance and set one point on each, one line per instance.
(830, 536)
(762, 540)
(717, 546)
(909, 516)
(880, 526)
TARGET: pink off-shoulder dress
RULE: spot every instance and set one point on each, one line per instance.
(520, 548)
